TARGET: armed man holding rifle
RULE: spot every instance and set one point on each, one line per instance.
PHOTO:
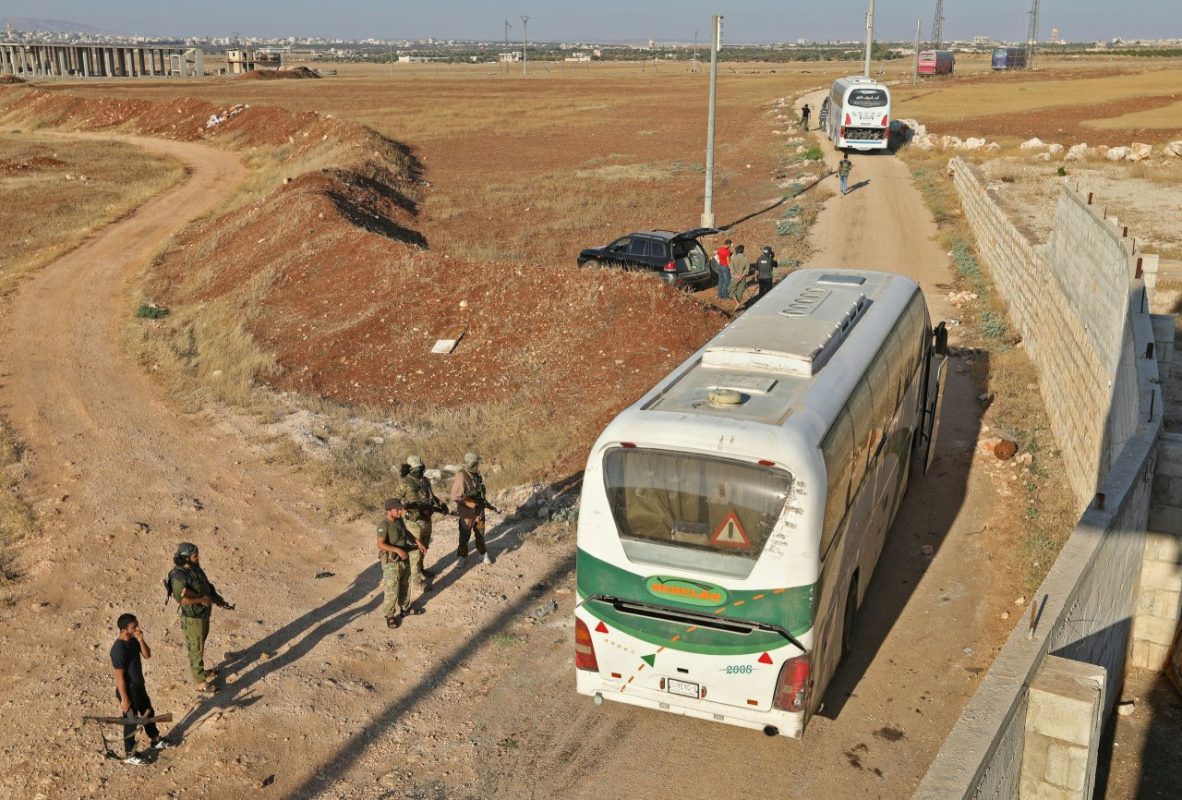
(418, 498)
(196, 596)
(468, 493)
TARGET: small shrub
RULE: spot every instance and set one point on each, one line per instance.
(1061, 172)
(151, 311)
(993, 325)
(787, 227)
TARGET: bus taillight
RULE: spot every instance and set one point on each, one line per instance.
(584, 648)
(884, 120)
(792, 687)
(848, 121)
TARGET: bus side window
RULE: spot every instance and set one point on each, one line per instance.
(863, 421)
(884, 387)
(895, 358)
(836, 449)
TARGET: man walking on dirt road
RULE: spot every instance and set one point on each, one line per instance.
(395, 544)
(417, 497)
(843, 171)
(131, 690)
(196, 597)
(467, 492)
(804, 116)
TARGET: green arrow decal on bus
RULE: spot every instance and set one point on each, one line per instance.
(689, 592)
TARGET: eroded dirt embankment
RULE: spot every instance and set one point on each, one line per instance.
(322, 265)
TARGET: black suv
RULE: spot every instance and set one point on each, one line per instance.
(678, 258)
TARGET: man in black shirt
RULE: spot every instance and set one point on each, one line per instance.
(131, 691)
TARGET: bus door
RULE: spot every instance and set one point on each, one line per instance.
(935, 376)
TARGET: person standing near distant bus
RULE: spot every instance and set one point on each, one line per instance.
(843, 171)
(804, 116)
(723, 255)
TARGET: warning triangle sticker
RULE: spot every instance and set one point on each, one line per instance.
(730, 533)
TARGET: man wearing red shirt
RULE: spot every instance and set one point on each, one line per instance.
(723, 254)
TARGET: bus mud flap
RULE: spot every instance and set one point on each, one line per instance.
(932, 422)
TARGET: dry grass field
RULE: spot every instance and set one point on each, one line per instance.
(1109, 102)
(57, 192)
(336, 269)
(347, 253)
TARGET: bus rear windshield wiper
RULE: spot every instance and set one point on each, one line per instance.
(712, 621)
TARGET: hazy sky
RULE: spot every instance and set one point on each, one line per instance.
(632, 20)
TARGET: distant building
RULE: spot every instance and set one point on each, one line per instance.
(511, 57)
(1055, 36)
(983, 41)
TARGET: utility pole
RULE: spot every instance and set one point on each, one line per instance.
(938, 25)
(524, 45)
(1032, 34)
(715, 46)
(508, 27)
(915, 66)
(870, 36)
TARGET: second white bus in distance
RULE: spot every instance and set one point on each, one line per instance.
(858, 114)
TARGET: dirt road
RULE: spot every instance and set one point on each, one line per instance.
(927, 629)
(473, 699)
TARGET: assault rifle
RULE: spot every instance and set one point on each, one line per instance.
(482, 503)
(436, 506)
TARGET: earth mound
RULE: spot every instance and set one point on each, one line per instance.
(279, 74)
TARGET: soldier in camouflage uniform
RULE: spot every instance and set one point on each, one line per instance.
(420, 502)
(195, 595)
(395, 544)
(468, 493)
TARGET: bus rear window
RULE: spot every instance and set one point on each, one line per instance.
(687, 502)
(867, 98)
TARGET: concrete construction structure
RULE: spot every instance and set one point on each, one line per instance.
(99, 61)
(1082, 304)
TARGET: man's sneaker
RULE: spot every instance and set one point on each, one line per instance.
(135, 760)
(487, 558)
(162, 744)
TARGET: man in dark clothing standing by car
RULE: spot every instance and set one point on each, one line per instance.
(131, 691)
(764, 270)
(196, 597)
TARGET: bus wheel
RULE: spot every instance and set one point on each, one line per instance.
(847, 621)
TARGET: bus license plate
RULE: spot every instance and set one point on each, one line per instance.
(683, 688)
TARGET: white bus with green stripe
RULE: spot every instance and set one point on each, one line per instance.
(732, 517)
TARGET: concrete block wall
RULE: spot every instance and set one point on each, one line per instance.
(1099, 381)
(1159, 601)
(1070, 301)
(1062, 731)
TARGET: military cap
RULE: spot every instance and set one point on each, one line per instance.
(186, 550)
(471, 459)
(393, 504)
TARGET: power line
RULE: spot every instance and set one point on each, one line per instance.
(938, 25)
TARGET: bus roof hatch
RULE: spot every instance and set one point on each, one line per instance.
(798, 340)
